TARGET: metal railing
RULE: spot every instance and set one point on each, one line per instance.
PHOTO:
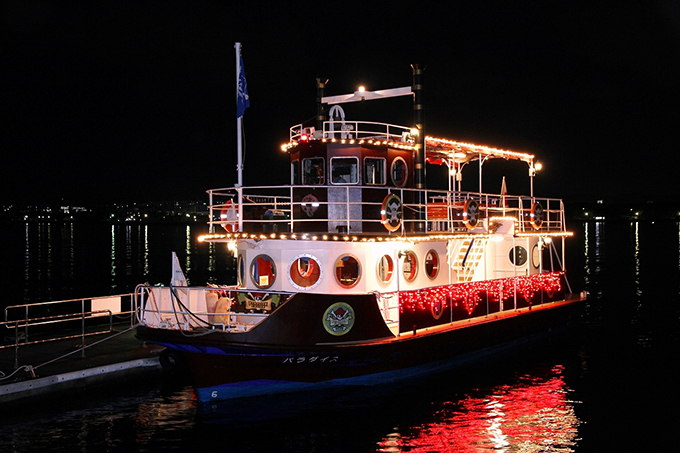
(357, 209)
(54, 320)
(190, 308)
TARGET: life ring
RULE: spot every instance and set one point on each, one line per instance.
(391, 212)
(471, 214)
(536, 216)
(309, 204)
(229, 216)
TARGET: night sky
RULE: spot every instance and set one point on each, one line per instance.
(135, 101)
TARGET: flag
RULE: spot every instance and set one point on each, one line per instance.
(178, 278)
(504, 192)
(242, 102)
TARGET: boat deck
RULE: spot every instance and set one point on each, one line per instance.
(56, 367)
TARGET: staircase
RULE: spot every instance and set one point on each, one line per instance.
(465, 255)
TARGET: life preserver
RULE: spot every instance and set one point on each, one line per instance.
(305, 273)
(391, 212)
(536, 216)
(471, 214)
(309, 204)
(229, 216)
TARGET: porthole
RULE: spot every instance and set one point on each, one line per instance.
(432, 264)
(385, 269)
(347, 271)
(409, 268)
(536, 256)
(263, 271)
(305, 272)
(518, 255)
(240, 271)
(399, 172)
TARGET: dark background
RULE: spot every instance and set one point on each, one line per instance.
(135, 101)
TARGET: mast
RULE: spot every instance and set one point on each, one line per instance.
(239, 119)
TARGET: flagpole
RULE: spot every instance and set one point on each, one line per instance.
(239, 119)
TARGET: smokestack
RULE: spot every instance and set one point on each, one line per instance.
(419, 158)
(320, 110)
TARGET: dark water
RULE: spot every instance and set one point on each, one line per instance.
(613, 387)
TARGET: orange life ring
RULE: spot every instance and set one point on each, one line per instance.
(391, 212)
(536, 216)
(229, 216)
(471, 214)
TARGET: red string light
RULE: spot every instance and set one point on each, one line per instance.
(469, 294)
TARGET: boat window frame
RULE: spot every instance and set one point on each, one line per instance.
(359, 271)
(354, 172)
(392, 168)
(307, 177)
(391, 269)
(291, 279)
(383, 171)
(273, 273)
(414, 272)
(512, 253)
(295, 172)
(432, 252)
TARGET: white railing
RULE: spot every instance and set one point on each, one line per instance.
(185, 308)
(349, 130)
(270, 210)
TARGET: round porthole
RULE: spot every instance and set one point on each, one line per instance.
(347, 271)
(240, 271)
(518, 255)
(432, 264)
(385, 269)
(409, 268)
(399, 172)
(263, 271)
(536, 256)
(304, 272)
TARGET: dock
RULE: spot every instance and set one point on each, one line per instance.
(56, 367)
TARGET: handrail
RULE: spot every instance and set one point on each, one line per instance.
(289, 213)
(187, 313)
(77, 311)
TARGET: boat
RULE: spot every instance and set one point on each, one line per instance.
(357, 272)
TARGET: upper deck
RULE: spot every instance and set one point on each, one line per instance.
(354, 179)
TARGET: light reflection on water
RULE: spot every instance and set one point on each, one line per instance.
(534, 414)
(635, 295)
(72, 260)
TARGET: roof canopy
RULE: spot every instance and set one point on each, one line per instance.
(438, 150)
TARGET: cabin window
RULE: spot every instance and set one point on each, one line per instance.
(385, 269)
(432, 264)
(240, 271)
(344, 170)
(399, 172)
(305, 272)
(313, 171)
(263, 271)
(536, 256)
(295, 172)
(375, 169)
(347, 271)
(518, 255)
(410, 266)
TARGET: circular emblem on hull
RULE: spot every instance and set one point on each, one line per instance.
(338, 319)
